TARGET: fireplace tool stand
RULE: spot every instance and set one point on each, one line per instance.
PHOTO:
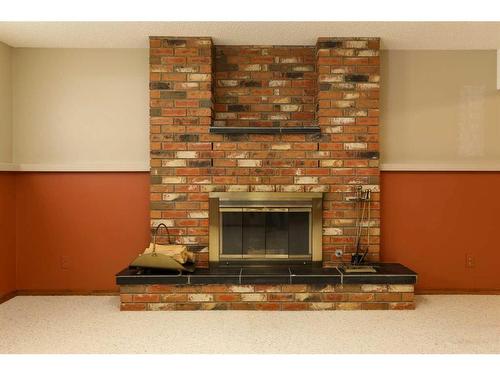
(362, 201)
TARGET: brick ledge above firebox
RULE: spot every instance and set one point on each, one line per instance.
(265, 130)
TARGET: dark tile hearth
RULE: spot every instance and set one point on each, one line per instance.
(387, 273)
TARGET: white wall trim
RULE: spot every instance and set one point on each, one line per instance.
(8, 167)
(88, 167)
(498, 69)
(441, 167)
(144, 167)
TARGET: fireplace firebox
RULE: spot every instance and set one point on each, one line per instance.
(265, 226)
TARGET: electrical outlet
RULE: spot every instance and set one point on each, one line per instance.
(64, 261)
(469, 261)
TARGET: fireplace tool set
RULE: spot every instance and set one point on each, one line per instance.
(362, 201)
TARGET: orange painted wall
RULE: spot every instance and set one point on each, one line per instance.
(431, 220)
(7, 233)
(97, 221)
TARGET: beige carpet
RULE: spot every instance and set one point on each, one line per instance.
(440, 324)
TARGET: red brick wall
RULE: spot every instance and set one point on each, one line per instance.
(265, 86)
(187, 162)
(348, 114)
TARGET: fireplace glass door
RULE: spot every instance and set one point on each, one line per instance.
(265, 233)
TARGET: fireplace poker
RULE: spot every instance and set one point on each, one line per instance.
(363, 197)
(369, 202)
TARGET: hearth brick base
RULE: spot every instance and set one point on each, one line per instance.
(267, 297)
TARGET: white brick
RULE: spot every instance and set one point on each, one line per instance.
(289, 60)
(238, 188)
(199, 77)
(356, 44)
(187, 154)
(343, 121)
(225, 115)
(173, 163)
(331, 163)
(227, 82)
(333, 231)
(186, 240)
(322, 306)
(186, 69)
(303, 68)
(373, 288)
(306, 180)
(172, 197)
(173, 180)
(249, 163)
(241, 288)
(373, 188)
(318, 189)
(189, 85)
(367, 86)
(351, 95)
(332, 129)
(368, 52)
(263, 188)
(282, 100)
(237, 155)
(342, 103)
(209, 188)
(331, 78)
(277, 83)
(167, 222)
(252, 68)
(401, 288)
(343, 52)
(290, 107)
(253, 297)
(281, 146)
(200, 297)
(198, 214)
(291, 188)
(355, 146)
(278, 116)
(201, 180)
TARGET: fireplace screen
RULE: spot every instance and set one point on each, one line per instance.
(265, 233)
(265, 225)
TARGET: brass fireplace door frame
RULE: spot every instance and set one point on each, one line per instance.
(265, 202)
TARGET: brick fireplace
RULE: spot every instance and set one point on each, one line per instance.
(283, 119)
(260, 153)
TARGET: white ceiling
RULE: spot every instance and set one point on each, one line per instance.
(395, 35)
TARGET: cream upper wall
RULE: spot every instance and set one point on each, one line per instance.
(87, 109)
(5, 104)
(81, 109)
(440, 110)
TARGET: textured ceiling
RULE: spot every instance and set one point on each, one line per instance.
(395, 35)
